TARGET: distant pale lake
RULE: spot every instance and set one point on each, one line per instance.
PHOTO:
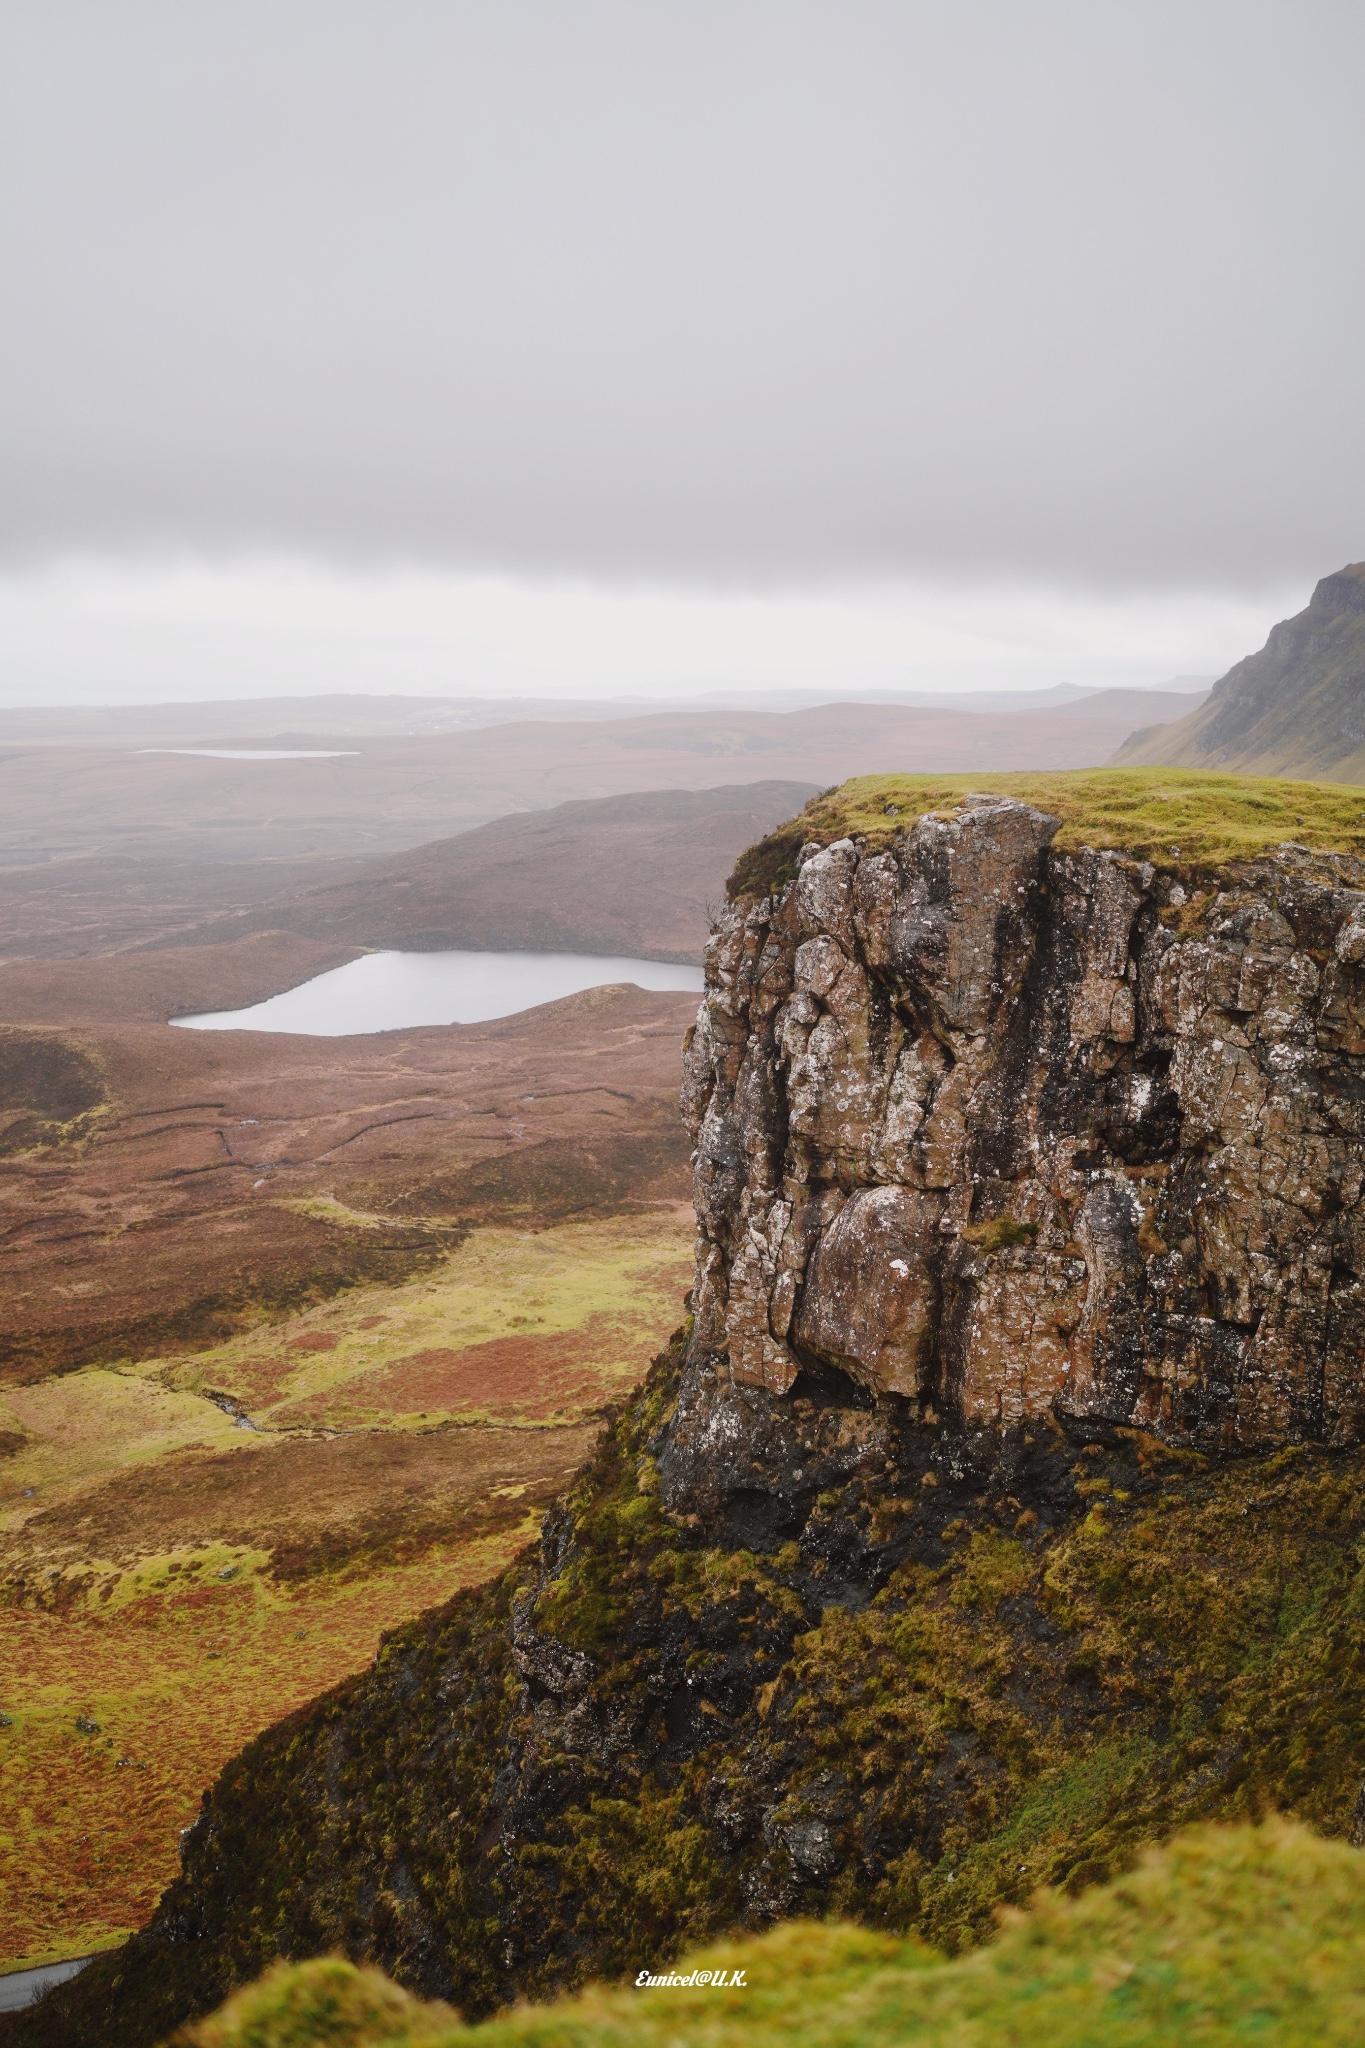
(395, 991)
(261, 753)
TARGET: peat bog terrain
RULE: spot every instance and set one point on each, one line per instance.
(301, 1335)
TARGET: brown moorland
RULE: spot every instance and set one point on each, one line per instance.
(225, 1176)
(298, 1340)
(127, 1688)
(630, 874)
(178, 1573)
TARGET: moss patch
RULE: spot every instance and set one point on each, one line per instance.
(1226, 1937)
(1175, 817)
(1167, 1640)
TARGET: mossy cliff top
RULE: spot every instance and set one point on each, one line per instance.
(1227, 1936)
(1177, 818)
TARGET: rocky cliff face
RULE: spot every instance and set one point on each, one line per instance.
(1005, 1132)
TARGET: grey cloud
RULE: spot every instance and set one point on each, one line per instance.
(737, 288)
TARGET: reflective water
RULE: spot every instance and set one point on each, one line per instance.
(260, 753)
(21, 1987)
(395, 991)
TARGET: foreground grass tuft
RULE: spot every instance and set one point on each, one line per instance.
(324, 2004)
(1229, 1935)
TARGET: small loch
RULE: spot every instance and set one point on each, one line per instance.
(398, 991)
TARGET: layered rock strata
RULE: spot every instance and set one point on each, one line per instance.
(1004, 1130)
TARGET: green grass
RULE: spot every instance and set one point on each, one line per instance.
(1143, 811)
(183, 1644)
(612, 1285)
(1234, 1936)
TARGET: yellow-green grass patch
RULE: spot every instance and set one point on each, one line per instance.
(121, 1714)
(1148, 812)
(518, 1327)
(82, 1427)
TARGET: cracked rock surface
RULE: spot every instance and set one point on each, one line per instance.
(1004, 1130)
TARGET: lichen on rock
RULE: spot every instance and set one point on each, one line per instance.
(1001, 1129)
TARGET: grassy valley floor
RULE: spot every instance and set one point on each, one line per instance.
(197, 1544)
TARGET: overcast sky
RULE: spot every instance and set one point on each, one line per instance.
(724, 303)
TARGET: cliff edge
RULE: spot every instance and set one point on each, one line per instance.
(1001, 1507)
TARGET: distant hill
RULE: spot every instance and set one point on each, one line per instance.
(107, 846)
(637, 875)
(383, 794)
(1296, 708)
(300, 720)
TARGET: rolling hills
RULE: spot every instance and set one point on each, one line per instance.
(394, 793)
(635, 875)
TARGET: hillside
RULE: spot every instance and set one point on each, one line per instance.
(639, 1738)
(998, 1509)
(637, 875)
(299, 1336)
(1295, 708)
(1226, 1936)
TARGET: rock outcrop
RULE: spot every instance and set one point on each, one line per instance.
(1004, 1131)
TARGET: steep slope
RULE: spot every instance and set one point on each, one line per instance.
(911, 1710)
(635, 875)
(1296, 708)
(1231, 1934)
(1002, 1506)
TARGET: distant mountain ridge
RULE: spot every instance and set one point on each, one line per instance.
(636, 875)
(296, 721)
(1295, 708)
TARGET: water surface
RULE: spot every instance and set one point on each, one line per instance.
(21, 1987)
(395, 991)
(260, 753)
